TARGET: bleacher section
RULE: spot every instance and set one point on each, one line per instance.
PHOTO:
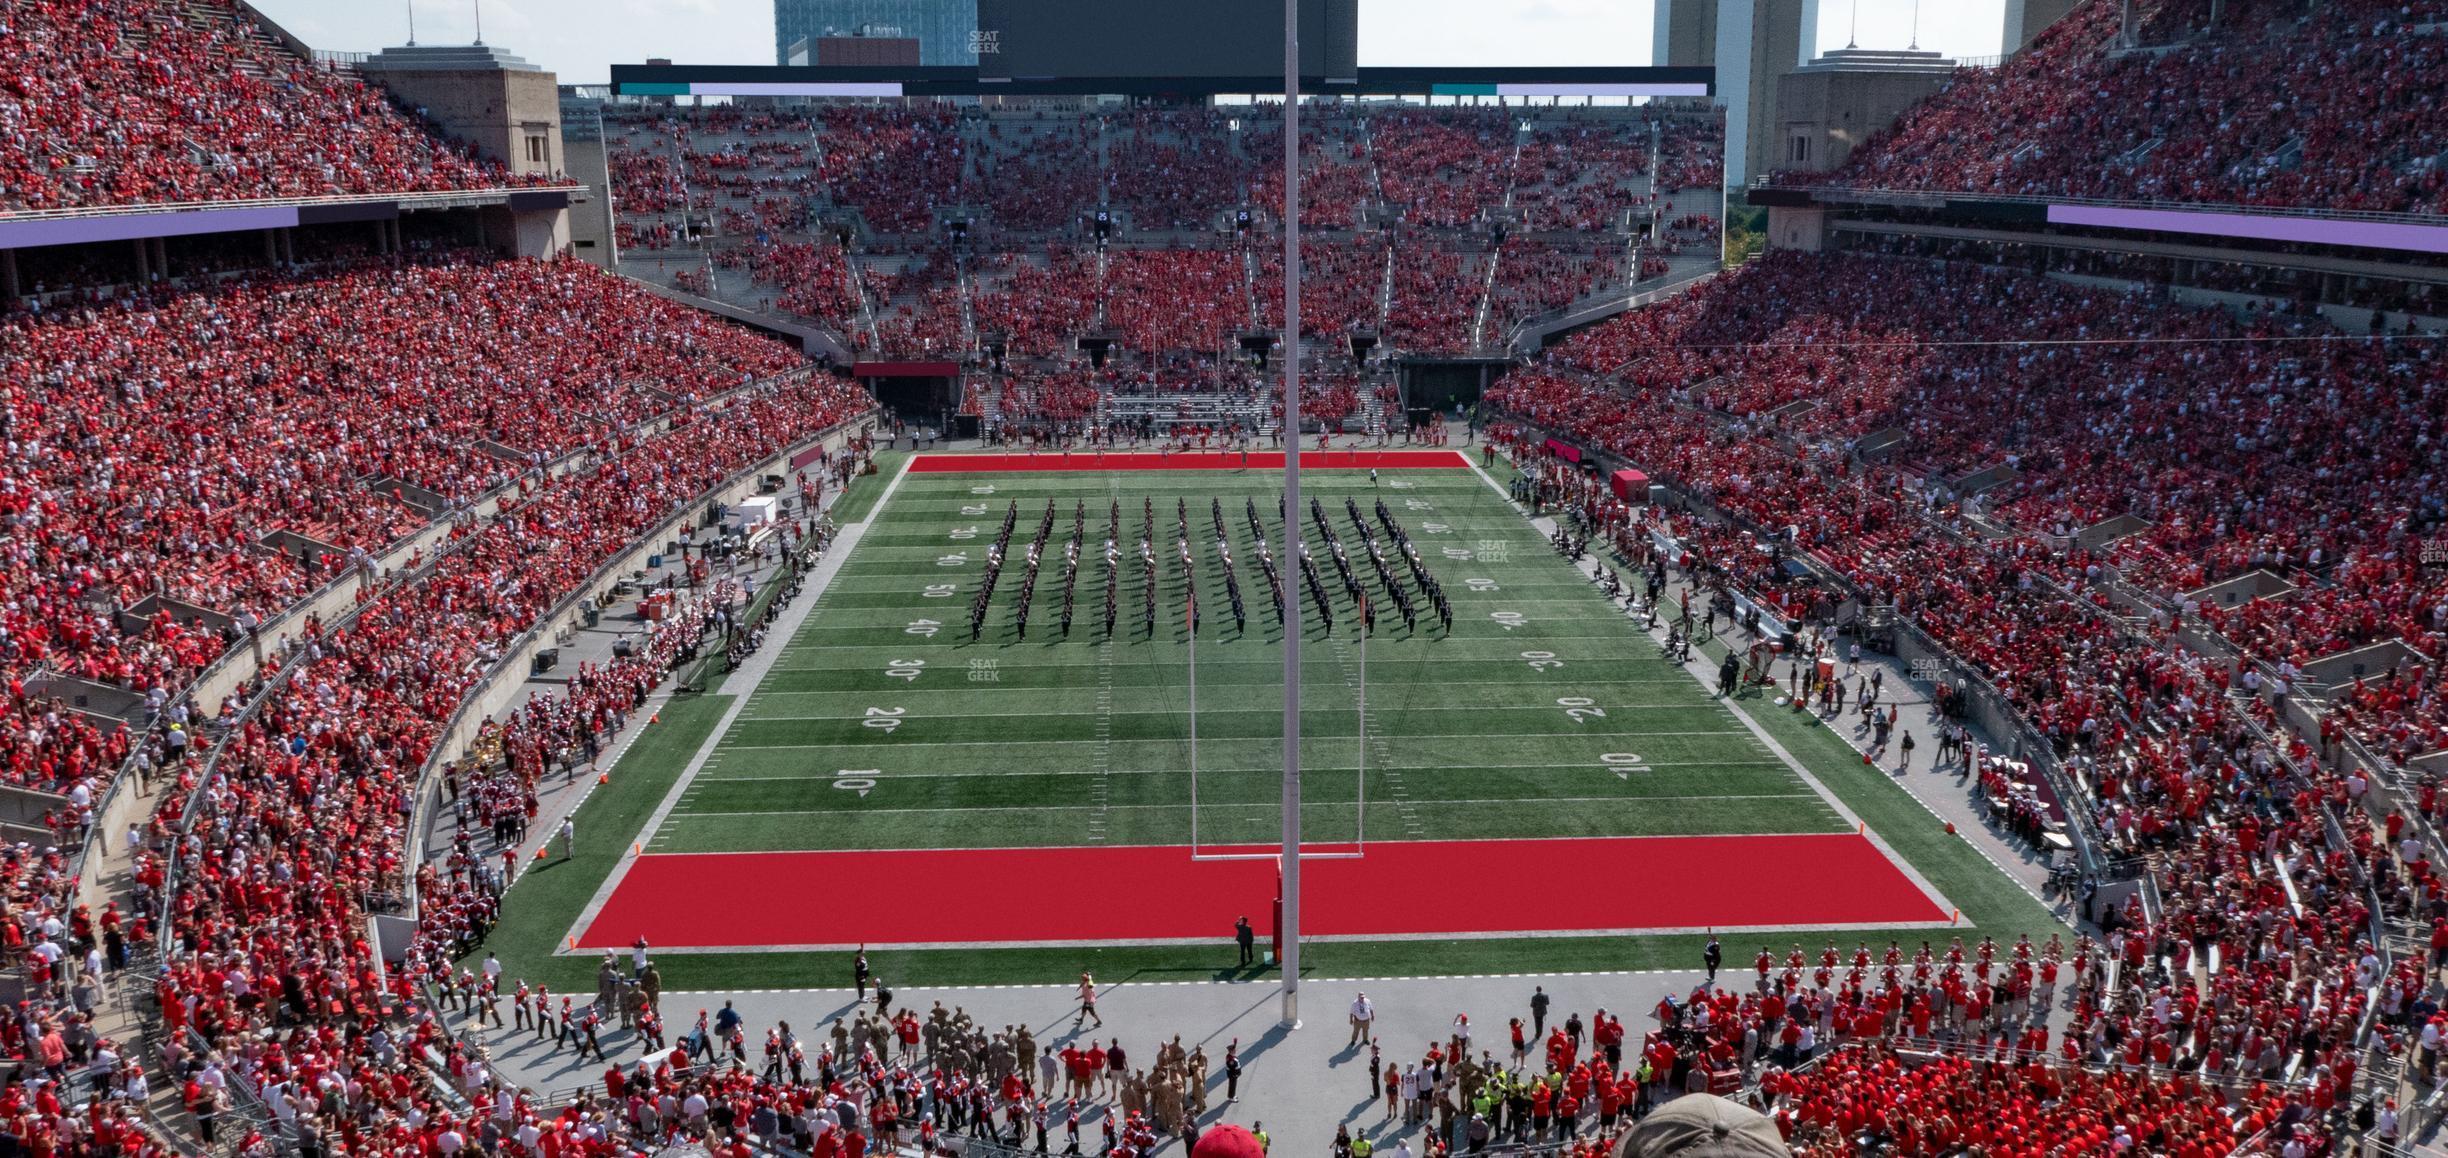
(2174, 721)
(2325, 107)
(754, 208)
(149, 102)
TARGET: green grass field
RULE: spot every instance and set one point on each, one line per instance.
(1545, 712)
(1524, 726)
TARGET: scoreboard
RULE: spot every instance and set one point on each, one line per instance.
(1042, 40)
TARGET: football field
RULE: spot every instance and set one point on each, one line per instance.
(901, 777)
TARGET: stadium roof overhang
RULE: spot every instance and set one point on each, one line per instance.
(767, 80)
(89, 224)
(2259, 225)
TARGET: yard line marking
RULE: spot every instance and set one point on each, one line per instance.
(1104, 697)
(1011, 689)
(793, 618)
(1374, 738)
(1102, 791)
(855, 810)
(1424, 640)
(1703, 671)
(999, 773)
(1261, 739)
(758, 667)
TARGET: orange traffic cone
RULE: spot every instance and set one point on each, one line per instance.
(539, 852)
(603, 778)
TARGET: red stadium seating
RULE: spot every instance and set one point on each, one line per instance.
(125, 102)
(317, 385)
(2346, 112)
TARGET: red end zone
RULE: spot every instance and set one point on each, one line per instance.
(1146, 894)
(1189, 460)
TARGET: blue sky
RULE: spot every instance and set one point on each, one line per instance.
(580, 39)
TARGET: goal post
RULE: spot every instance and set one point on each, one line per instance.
(1352, 849)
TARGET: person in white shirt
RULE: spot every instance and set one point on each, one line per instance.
(1362, 1015)
(47, 953)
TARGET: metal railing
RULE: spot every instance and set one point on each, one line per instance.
(245, 1098)
(514, 652)
(1590, 309)
(428, 198)
(1997, 710)
(285, 664)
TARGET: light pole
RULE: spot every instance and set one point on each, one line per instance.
(1291, 516)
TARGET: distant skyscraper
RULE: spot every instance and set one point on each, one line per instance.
(942, 28)
(1751, 43)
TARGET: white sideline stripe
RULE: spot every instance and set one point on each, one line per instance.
(1698, 668)
(792, 618)
(1232, 771)
(854, 810)
(1310, 849)
(700, 997)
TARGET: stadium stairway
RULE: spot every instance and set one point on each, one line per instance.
(129, 1013)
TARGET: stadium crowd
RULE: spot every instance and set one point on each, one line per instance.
(2306, 423)
(2346, 107)
(156, 439)
(300, 831)
(2180, 757)
(739, 185)
(127, 102)
(126, 478)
